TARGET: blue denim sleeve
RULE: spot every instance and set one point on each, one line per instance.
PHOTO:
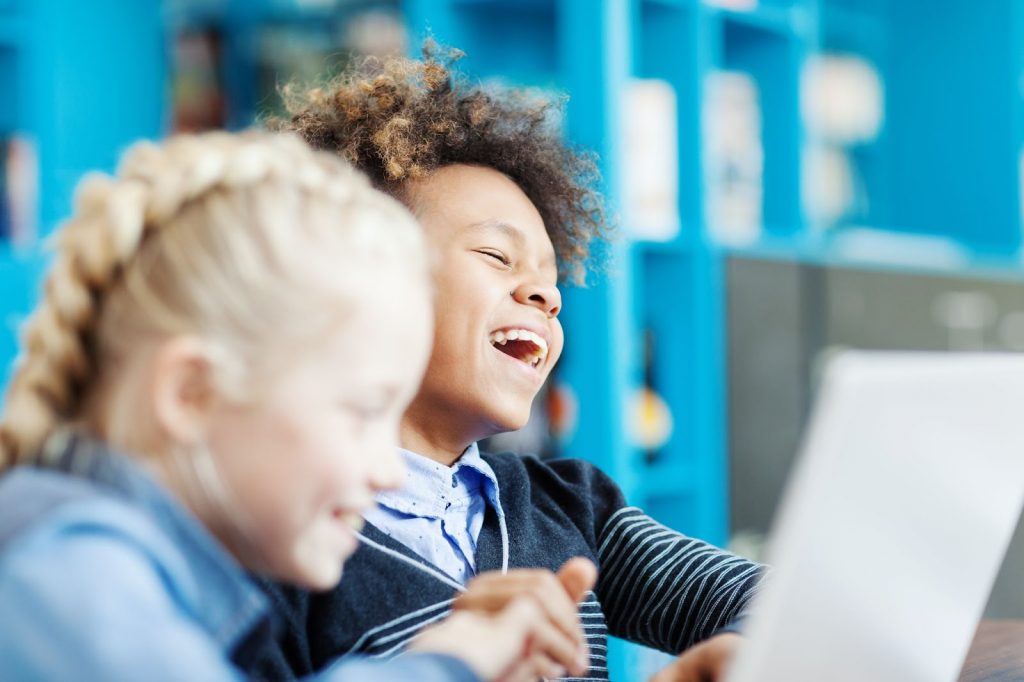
(89, 605)
(84, 602)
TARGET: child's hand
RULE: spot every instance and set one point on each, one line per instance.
(704, 662)
(556, 594)
(515, 645)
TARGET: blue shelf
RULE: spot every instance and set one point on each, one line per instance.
(78, 100)
(12, 31)
(671, 4)
(502, 5)
(788, 22)
(913, 254)
(528, 36)
(958, 71)
(21, 273)
(670, 480)
(234, 15)
(864, 26)
(675, 247)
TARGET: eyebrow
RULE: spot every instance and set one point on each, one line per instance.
(513, 233)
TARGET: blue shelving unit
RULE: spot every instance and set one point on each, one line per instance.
(87, 79)
(84, 80)
(241, 24)
(938, 140)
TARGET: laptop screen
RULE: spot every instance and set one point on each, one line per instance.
(895, 520)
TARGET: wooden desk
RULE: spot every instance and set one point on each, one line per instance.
(997, 654)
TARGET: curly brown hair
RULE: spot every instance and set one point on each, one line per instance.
(403, 118)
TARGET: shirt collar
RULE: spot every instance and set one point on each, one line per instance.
(471, 458)
(232, 605)
(428, 484)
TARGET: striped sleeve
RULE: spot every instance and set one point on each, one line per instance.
(664, 589)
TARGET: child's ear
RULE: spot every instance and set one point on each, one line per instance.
(184, 390)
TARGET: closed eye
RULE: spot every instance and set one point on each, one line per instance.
(496, 255)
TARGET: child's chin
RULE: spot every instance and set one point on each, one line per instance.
(319, 578)
(510, 420)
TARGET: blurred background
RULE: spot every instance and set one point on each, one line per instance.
(791, 176)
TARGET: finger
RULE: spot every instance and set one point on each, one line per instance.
(516, 575)
(494, 594)
(515, 625)
(540, 665)
(491, 598)
(524, 617)
(577, 576)
(492, 591)
(690, 667)
(553, 643)
(678, 671)
(522, 578)
(719, 653)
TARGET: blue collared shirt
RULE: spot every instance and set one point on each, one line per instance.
(104, 576)
(439, 510)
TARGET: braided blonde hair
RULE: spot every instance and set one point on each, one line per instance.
(216, 235)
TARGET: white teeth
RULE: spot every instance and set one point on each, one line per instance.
(535, 359)
(539, 340)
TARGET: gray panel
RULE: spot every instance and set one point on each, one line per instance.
(782, 316)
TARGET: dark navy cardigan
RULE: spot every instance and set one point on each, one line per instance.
(655, 586)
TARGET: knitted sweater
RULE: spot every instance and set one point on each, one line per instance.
(655, 586)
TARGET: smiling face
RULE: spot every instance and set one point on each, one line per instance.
(303, 462)
(496, 334)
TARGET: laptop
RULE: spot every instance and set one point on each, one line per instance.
(894, 522)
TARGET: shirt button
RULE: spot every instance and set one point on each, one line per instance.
(455, 481)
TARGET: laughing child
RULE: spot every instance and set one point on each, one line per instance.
(509, 211)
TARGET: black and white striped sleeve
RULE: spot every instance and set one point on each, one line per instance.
(664, 589)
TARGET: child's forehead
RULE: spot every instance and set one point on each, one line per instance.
(470, 198)
(461, 201)
(463, 180)
(495, 226)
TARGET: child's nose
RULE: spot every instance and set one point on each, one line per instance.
(547, 298)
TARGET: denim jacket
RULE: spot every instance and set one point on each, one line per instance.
(104, 576)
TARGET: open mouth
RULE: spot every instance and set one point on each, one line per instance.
(350, 519)
(521, 344)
